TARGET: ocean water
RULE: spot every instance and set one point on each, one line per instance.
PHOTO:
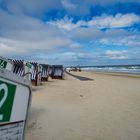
(134, 69)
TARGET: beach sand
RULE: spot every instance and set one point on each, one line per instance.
(92, 107)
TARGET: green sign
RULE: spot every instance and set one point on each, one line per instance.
(3, 64)
(29, 65)
(7, 94)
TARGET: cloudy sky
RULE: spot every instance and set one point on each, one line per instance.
(71, 32)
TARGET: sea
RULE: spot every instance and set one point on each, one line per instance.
(133, 69)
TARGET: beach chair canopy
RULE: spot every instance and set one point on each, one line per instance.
(18, 67)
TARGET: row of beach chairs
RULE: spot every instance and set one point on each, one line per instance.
(35, 72)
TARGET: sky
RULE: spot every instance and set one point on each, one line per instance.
(71, 32)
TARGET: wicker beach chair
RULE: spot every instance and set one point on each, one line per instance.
(57, 72)
(36, 74)
(22, 68)
(45, 72)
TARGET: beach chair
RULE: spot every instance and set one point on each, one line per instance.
(45, 72)
(22, 68)
(36, 74)
(57, 72)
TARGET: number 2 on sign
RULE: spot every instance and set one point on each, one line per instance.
(5, 88)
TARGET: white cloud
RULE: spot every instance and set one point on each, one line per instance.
(134, 43)
(7, 50)
(108, 1)
(74, 58)
(130, 40)
(117, 54)
(125, 55)
(65, 24)
(110, 52)
(32, 7)
(112, 36)
(104, 21)
(18, 46)
(83, 8)
(75, 45)
(37, 7)
(29, 37)
(68, 5)
(118, 21)
(85, 31)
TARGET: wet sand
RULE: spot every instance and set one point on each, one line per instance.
(94, 107)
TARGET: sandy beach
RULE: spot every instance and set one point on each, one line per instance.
(92, 107)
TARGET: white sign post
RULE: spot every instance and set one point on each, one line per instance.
(15, 98)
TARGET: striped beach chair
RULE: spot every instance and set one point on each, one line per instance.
(36, 74)
(45, 72)
(22, 68)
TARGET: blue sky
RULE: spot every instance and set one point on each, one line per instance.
(71, 32)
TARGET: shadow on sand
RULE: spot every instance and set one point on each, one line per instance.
(35, 114)
(81, 78)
